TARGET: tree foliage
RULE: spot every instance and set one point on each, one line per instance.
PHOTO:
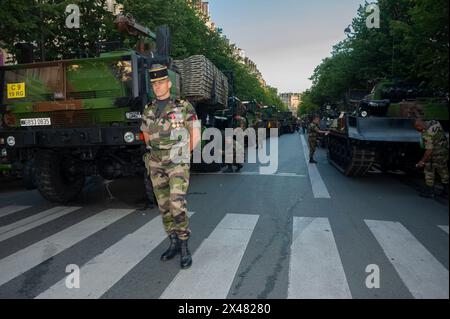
(42, 22)
(410, 45)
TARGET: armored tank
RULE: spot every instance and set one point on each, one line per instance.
(379, 131)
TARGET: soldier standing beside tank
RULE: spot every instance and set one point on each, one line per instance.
(435, 159)
(170, 179)
(238, 122)
(313, 134)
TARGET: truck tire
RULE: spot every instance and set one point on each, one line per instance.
(54, 181)
(29, 175)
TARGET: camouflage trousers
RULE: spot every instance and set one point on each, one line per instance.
(170, 185)
(436, 166)
(312, 143)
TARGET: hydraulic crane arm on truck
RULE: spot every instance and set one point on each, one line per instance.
(127, 24)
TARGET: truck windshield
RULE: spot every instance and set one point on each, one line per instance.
(81, 80)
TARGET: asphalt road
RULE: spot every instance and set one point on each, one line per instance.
(304, 232)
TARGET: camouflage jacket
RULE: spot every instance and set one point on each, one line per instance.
(433, 138)
(313, 131)
(176, 116)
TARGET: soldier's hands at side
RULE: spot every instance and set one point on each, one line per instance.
(421, 164)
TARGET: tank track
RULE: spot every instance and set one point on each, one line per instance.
(350, 159)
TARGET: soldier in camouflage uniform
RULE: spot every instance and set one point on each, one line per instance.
(313, 134)
(162, 121)
(435, 159)
(238, 148)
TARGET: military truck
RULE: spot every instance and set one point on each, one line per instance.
(379, 131)
(79, 118)
(287, 122)
(271, 119)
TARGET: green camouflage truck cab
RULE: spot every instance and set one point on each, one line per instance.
(76, 118)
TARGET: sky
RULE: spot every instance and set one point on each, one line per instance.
(286, 39)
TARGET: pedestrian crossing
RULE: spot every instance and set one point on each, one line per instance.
(216, 261)
(418, 268)
(444, 228)
(8, 210)
(31, 256)
(33, 221)
(314, 255)
(315, 264)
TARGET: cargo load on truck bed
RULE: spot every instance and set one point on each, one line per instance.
(202, 81)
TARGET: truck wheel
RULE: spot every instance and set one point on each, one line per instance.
(56, 177)
(149, 189)
(29, 175)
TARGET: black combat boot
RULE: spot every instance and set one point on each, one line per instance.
(173, 249)
(186, 258)
(312, 161)
(239, 167)
(427, 192)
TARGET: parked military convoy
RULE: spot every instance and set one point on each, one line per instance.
(66, 120)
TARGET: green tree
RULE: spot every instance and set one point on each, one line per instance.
(307, 106)
(42, 22)
(411, 44)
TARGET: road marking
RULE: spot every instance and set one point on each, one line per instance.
(99, 274)
(252, 174)
(215, 262)
(31, 256)
(315, 267)
(444, 228)
(318, 186)
(424, 276)
(8, 210)
(31, 222)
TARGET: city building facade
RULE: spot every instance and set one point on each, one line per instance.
(291, 100)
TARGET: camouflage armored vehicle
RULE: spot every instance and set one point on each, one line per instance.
(380, 131)
(271, 119)
(287, 122)
(79, 118)
(253, 114)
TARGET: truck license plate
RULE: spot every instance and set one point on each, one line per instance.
(44, 121)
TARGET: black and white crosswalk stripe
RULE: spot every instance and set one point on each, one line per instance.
(315, 266)
(8, 210)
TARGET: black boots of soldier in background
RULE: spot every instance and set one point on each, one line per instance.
(312, 161)
(427, 192)
(430, 192)
(230, 168)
